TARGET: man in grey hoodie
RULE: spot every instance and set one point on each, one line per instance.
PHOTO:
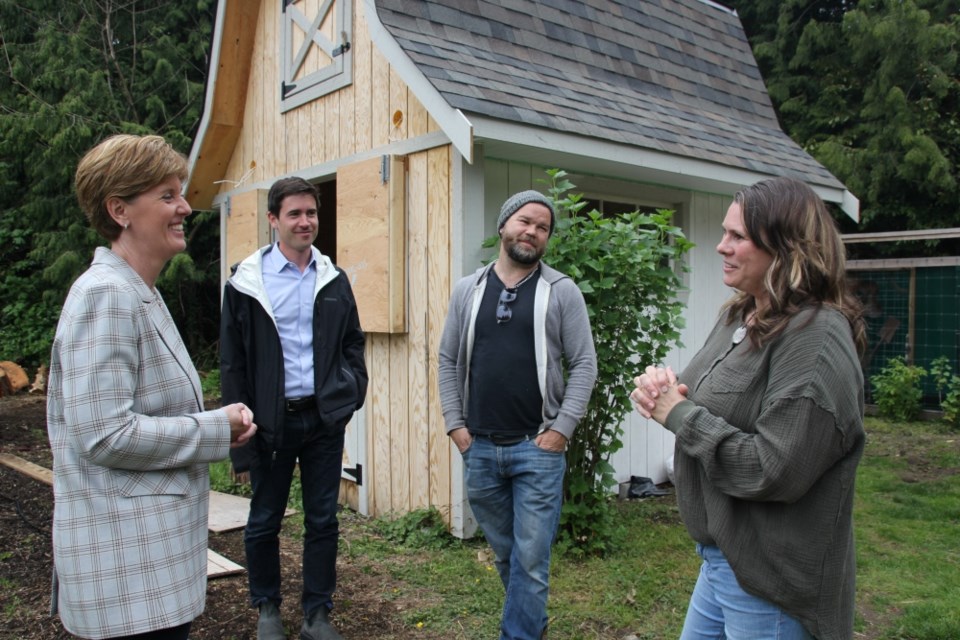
(516, 368)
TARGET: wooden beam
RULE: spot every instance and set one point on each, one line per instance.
(218, 566)
(27, 468)
(902, 263)
(897, 236)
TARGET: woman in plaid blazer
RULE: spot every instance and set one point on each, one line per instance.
(130, 440)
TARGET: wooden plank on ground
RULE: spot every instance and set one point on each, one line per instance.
(27, 468)
(218, 566)
(229, 512)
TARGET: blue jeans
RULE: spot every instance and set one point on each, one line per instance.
(719, 608)
(516, 492)
(319, 449)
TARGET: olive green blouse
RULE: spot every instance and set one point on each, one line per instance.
(767, 448)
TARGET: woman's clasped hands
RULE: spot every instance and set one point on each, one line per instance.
(657, 392)
(242, 426)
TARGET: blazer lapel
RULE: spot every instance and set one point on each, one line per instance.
(159, 315)
(168, 332)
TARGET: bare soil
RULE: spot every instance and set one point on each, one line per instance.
(365, 605)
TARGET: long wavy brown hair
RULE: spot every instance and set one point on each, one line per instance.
(785, 218)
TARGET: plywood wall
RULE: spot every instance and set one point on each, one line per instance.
(371, 243)
(408, 454)
(407, 447)
(375, 110)
(247, 225)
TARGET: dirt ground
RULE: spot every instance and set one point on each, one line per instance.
(363, 609)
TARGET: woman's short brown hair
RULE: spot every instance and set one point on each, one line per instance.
(123, 166)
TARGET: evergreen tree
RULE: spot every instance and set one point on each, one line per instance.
(872, 90)
(72, 73)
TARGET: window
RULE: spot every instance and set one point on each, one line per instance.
(610, 208)
(315, 57)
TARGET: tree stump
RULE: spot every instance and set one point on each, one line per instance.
(12, 378)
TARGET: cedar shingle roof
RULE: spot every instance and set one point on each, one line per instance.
(675, 76)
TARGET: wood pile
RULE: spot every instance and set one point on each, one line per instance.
(13, 379)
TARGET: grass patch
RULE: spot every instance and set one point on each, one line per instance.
(222, 480)
(11, 607)
(640, 588)
(441, 582)
(907, 523)
(907, 527)
(448, 585)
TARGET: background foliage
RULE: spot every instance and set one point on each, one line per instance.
(72, 73)
(871, 89)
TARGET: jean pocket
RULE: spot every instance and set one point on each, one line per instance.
(558, 452)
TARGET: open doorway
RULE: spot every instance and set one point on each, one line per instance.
(326, 240)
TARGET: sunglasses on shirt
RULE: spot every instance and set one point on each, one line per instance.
(504, 313)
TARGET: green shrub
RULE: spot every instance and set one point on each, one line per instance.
(420, 529)
(629, 268)
(941, 369)
(897, 391)
(951, 404)
(210, 383)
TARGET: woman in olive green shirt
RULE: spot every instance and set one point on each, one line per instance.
(768, 421)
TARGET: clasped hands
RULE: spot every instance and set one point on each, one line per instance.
(242, 427)
(657, 392)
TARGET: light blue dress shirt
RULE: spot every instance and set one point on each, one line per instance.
(291, 295)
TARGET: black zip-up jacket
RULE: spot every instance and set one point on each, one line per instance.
(251, 356)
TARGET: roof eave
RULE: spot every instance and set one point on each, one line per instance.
(850, 204)
(226, 95)
(547, 148)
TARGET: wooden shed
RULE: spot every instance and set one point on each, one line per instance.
(417, 118)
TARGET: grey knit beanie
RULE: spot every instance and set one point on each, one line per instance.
(517, 200)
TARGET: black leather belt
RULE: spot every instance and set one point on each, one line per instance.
(296, 405)
(502, 440)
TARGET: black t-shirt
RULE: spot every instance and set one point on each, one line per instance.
(505, 396)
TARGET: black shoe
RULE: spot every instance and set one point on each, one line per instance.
(641, 487)
(269, 626)
(316, 626)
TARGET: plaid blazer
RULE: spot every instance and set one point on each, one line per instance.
(131, 444)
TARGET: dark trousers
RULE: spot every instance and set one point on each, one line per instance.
(319, 450)
(173, 633)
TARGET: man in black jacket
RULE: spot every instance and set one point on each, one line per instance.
(292, 350)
